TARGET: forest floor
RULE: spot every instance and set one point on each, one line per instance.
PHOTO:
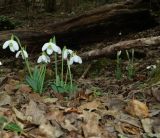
(102, 107)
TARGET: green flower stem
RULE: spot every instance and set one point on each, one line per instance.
(42, 76)
(56, 67)
(27, 65)
(70, 75)
(66, 78)
(25, 59)
(118, 68)
(62, 69)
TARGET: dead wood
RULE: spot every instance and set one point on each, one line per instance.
(100, 24)
(123, 45)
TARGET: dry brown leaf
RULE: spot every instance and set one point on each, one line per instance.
(35, 97)
(82, 95)
(4, 134)
(4, 99)
(137, 108)
(156, 125)
(37, 115)
(68, 126)
(19, 114)
(72, 110)
(126, 118)
(129, 129)
(10, 88)
(50, 100)
(91, 126)
(156, 93)
(50, 131)
(55, 115)
(147, 124)
(24, 88)
(90, 105)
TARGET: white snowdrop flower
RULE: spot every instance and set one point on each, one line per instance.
(0, 63)
(50, 47)
(119, 53)
(76, 59)
(43, 59)
(67, 52)
(151, 67)
(120, 33)
(23, 53)
(13, 45)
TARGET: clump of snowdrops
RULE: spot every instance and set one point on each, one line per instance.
(130, 67)
(63, 81)
(118, 70)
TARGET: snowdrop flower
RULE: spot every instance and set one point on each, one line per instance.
(0, 63)
(23, 53)
(120, 33)
(67, 52)
(13, 45)
(76, 59)
(43, 58)
(50, 47)
(151, 67)
(119, 53)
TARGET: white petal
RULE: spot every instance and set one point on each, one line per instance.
(57, 49)
(39, 59)
(76, 58)
(70, 51)
(154, 66)
(6, 44)
(48, 59)
(17, 54)
(80, 60)
(71, 61)
(24, 54)
(45, 60)
(15, 45)
(45, 46)
(0, 63)
(43, 57)
(49, 51)
(12, 48)
(119, 53)
(65, 54)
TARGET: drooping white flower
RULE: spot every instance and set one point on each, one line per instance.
(50, 47)
(67, 52)
(120, 33)
(119, 53)
(23, 53)
(0, 63)
(76, 59)
(151, 67)
(13, 45)
(43, 59)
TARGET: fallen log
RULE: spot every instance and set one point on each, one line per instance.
(123, 45)
(94, 26)
(103, 23)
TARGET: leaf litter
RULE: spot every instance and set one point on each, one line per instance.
(87, 115)
(103, 107)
